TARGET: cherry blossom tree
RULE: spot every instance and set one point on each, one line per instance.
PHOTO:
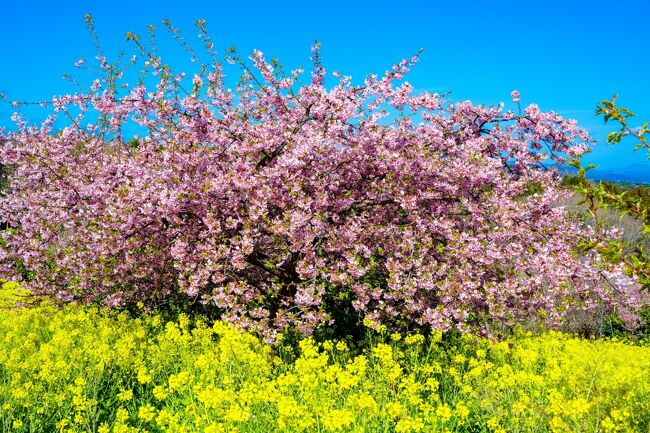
(282, 199)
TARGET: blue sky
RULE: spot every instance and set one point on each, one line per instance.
(563, 56)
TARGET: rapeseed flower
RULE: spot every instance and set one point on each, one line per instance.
(175, 376)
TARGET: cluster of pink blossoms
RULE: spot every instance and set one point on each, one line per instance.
(276, 201)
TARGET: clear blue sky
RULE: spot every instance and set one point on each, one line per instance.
(564, 56)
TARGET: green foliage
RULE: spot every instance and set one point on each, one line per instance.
(611, 111)
(627, 200)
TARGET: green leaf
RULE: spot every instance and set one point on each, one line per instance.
(614, 137)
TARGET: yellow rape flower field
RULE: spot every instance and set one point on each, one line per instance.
(84, 370)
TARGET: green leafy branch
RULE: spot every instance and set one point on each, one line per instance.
(601, 196)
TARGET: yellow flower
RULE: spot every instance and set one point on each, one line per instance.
(328, 345)
(394, 409)
(444, 413)
(462, 410)
(215, 428)
(414, 339)
(384, 353)
(143, 375)
(237, 413)
(407, 425)
(146, 413)
(608, 425)
(436, 336)
(493, 423)
(159, 392)
(166, 419)
(341, 346)
(578, 407)
(121, 414)
(177, 381)
(62, 424)
(337, 419)
(125, 395)
(51, 362)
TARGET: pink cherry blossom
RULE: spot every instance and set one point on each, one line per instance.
(277, 203)
(515, 95)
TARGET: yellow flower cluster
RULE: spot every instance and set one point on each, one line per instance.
(83, 370)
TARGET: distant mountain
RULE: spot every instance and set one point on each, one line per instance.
(636, 173)
(633, 173)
